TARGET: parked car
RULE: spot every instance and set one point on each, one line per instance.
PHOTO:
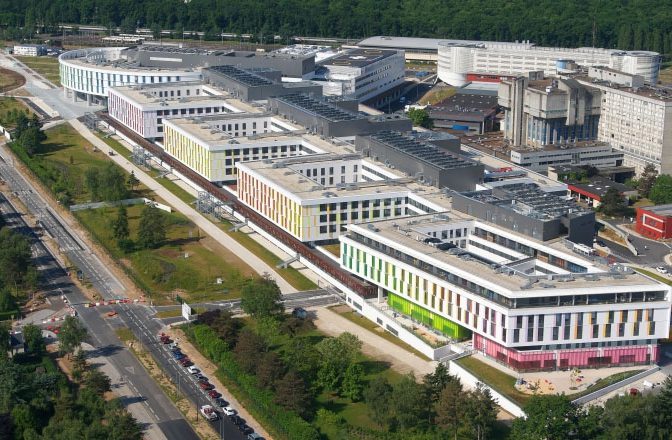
(229, 411)
(209, 412)
(662, 269)
(178, 356)
(185, 362)
(213, 394)
(201, 378)
(254, 436)
(193, 370)
(206, 386)
(220, 403)
(245, 429)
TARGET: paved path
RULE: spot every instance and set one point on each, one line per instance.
(199, 220)
(373, 345)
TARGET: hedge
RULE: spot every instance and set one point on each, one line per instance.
(281, 423)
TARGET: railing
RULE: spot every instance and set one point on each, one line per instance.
(321, 261)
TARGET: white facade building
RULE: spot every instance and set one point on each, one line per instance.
(143, 108)
(30, 50)
(361, 74)
(456, 60)
(596, 154)
(89, 73)
(634, 120)
(528, 304)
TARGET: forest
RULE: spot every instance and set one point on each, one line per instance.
(623, 24)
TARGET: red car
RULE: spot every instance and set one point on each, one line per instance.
(206, 386)
(214, 394)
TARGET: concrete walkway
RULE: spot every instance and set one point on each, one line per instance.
(373, 345)
(199, 220)
(129, 397)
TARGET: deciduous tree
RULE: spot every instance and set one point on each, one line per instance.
(292, 393)
(661, 191)
(152, 228)
(353, 383)
(71, 335)
(449, 408)
(261, 297)
(32, 336)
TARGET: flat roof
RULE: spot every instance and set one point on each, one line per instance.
(245, 77)
(359, 57)
(320, 108)
(659, 93)
(141, 94)
(660, 209)
(421, 151)
(599, 186)
(577, 145)
(402, 234)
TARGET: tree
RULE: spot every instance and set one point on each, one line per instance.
(79, 364)
(72, 334)
(292, 394)
(113, 183)
(152, 228)
(92, 182)
(261, 297)
(378, 398)
(7, 303)
(551, 417)
(661, 191)
(353, 383)
(269, 369)
(420, 118)
(301, 356)
(123, 426)
(449, 408)
(32, 335)
(15, 258)
(435, 382)
(337, 354)
(132, 181)
(409, 405)
(249, 348)
(613, 203)
(646, 180)
(480, 412)
(120, 229)
(98, 382)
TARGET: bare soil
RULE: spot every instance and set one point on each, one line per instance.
(10, 80)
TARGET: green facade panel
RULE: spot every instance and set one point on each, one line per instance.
(427, 317)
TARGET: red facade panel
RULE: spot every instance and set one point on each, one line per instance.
(652, 225)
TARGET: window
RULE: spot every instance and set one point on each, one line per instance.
(652, 328)
(516, 335)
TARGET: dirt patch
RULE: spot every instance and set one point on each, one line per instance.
(10, 80)
(208, 369)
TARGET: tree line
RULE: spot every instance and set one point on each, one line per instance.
(37, 401)
(635, 24)
(17, 271)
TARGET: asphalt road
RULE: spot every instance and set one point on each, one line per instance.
(102, 335)
(82, 257)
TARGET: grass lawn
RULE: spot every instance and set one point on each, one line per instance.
(361, 321)
(289, 274)
(165, 270)
(334, 249)
(45, 66)
(604, 382)
(653, 275)
(174, 313)
(115, 145)
(8, 105)
(436, 95)
(495, 378)
(665, 75)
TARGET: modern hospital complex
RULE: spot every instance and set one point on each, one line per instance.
(505, 265)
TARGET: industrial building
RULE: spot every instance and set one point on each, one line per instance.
(143, 108)
(527, 210)
(473, 113)
(592, 191)
(328, 119)
(361, 74)
(256, 84)
(425, 161)
(655, 222)
(541, 111)
(527, 304)
(457, 60)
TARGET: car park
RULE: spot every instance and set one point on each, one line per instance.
(229, 411)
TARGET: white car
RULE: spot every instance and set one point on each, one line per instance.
(662, 269)
(209, 412)
(227, 410)
(193, 370)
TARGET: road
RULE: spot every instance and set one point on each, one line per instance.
(159, 412)
(77, 252)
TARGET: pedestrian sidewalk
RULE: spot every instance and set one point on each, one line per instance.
(373, 345)
(199, 220)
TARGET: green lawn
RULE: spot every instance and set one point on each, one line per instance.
(334, 249)
(495, 378)
(653, 275)
(165, 270)
(10, 105)
(378, 330)
(115, 145)
(604, 382)
(289, 274)
(46, 66)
